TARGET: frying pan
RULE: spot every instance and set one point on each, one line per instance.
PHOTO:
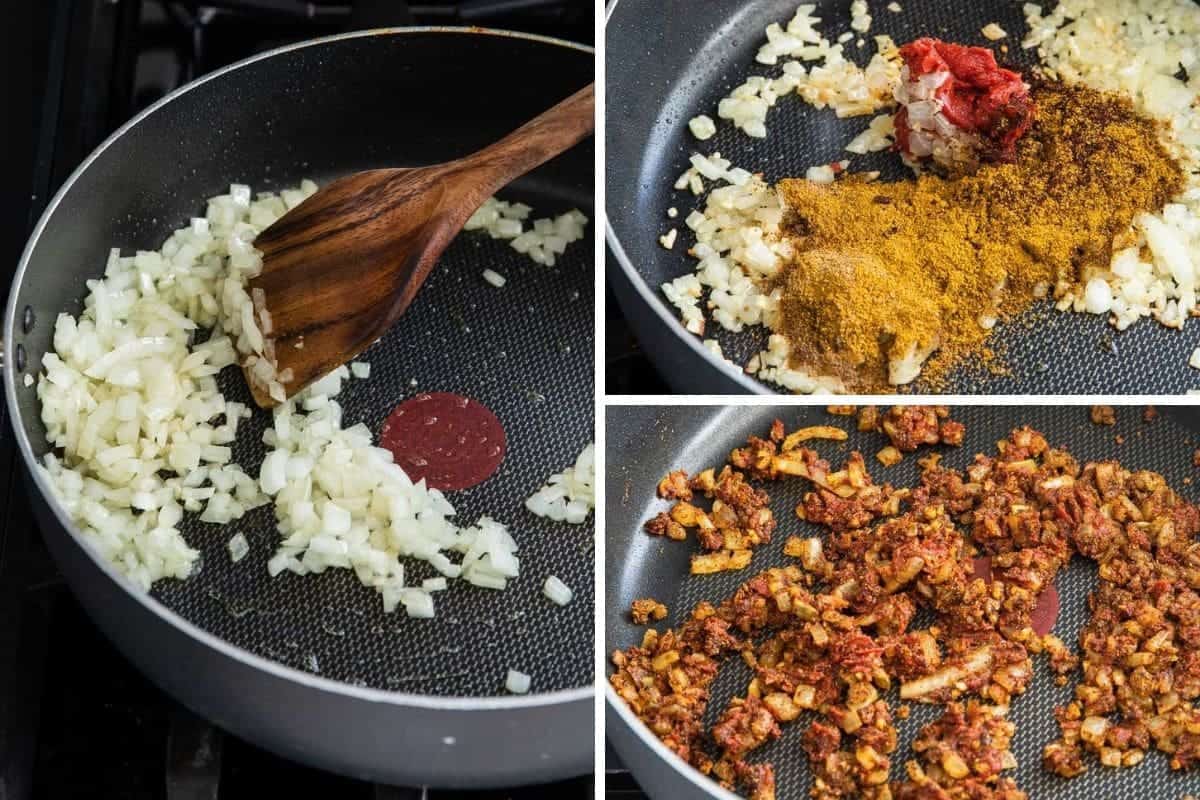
(644, 443)
(310, 667)
(668, 61)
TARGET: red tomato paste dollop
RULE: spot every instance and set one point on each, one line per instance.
(451, 441)
(979, 97)
(1045, 608)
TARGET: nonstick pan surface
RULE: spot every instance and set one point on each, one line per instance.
(320, 110)
(644, 443)
(669, 60)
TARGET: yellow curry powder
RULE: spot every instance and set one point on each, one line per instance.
(883, 268)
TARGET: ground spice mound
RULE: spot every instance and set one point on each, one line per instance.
(884, 272)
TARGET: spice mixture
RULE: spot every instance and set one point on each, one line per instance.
(884, 272)
(832, 635)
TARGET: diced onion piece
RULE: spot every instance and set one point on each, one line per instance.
(238, 547)
(557, 591)
(993, 32)
(976, 661)
(417, 603)
(517, 682)
(820, 174)
(1097, 296)
(273, 474)
(702, 127)
(570, 495)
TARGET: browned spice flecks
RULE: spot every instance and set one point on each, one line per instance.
(738, 521)
(910, 427)
(1103, 415)
(827, 639)
(885, 270)
(646, 609)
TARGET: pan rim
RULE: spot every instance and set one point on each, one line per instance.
(144, 599)
(639, 728)
(671, 759)
(651, 298)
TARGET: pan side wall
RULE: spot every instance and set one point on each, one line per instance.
(358, 737)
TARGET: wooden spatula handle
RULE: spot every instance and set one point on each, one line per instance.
(342, 266)
(542, 138)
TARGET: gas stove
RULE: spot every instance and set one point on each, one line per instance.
(76, 719)
(619, 783)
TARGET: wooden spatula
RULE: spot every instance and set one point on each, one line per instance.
(342, 266)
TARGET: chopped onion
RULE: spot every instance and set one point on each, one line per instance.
(238, 547)
(132, 406)
(517, 682)
(557, 591)
(143, 435)
(546, 239)
(417, 603)
(569, 495)
(702, 127)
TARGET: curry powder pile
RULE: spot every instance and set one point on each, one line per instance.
(883, 269)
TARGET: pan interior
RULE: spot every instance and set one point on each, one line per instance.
(670, 64)
(640, 565)
(524, 350)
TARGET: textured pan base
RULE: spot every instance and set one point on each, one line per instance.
(645, 442)
(461, 335)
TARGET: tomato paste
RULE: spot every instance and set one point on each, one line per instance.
(451, 441)
(978, 97)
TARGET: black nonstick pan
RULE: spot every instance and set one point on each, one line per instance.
(311, 667)
(644, 443)
(669, 60)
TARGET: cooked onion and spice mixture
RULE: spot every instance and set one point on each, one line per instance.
(1074, 182)
(976, 552)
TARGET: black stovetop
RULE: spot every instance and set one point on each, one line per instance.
(619, 783)
(627, 370)
(76, 719)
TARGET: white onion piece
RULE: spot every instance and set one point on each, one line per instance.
(238, 547)
(557, 591)
(517, 682)
(569, 495)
